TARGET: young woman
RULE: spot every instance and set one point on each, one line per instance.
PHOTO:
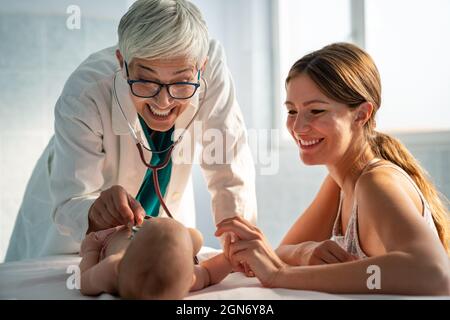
(375, 208)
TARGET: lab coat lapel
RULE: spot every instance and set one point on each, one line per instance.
(179, 167)
(119, 119)
(186, 144)
(131, 169)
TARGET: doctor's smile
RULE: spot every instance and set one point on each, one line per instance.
(160, 113)
(168, 114)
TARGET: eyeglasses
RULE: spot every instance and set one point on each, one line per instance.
(150, 89)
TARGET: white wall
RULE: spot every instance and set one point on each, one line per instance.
(410, 42)
(37, 54)
(244, 29)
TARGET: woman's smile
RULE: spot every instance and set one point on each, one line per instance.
(309, 144)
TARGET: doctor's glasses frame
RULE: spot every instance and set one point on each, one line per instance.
(150, 89)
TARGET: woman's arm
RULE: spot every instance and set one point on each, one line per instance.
(415, 264)
(393, 273)
(314, 225)
(310, 253)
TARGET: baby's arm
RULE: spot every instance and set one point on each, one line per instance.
(102, 277)
(90, 251)
(210, 272)
(95, 277)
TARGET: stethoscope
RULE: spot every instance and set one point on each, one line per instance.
(169, 150)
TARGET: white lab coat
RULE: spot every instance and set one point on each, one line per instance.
(92, 150)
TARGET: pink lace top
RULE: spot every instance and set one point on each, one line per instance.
(350, 240)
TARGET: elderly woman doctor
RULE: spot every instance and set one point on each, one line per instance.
(127, 113)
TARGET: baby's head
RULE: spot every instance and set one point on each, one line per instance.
(158, 263)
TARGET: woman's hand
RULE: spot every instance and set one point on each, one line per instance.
(114, 207)
(252, 249)
(314, 253)
(229, 238)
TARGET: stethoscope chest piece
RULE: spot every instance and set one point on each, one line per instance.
(135, 229)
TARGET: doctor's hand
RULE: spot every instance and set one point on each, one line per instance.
(252, 249)
(115, 207)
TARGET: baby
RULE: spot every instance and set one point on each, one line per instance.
(157, 262)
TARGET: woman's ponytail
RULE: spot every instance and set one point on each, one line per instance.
(391, 149)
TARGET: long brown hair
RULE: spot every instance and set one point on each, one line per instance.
(347, 74)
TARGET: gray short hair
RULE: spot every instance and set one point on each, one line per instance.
(161, 29)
